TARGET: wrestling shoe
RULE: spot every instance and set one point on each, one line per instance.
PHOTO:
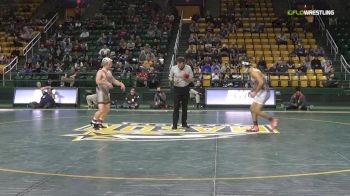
(274, 123)
(253, 129)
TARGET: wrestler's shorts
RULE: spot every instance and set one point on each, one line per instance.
(262, 96)
(103, 96)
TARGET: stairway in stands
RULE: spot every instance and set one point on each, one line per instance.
(183, 45)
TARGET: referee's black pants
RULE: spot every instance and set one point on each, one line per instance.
(181, 96)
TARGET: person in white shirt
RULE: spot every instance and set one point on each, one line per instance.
(181, 75)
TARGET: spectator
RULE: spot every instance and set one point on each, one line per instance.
(84, 35)
(206, 68)
(281, 68)
(308, 62)
(192, 39)
(197, 92)
(262, 64)
(316, 63)
(15, 52)
(194, 27)
(277, 22)
(109, 39)
(102, 40)
(300, 51)
(297, 101)
(215, 79)
(130, 45)
(320, 51)
(290, 63)
(331, 79)
(142, 77)
(69, 77)
(224, 51)
(273, 70)
(148, 63)
(153, 79)
(295, 39)
(215, 68)
(281, 39)
(301, 70)
(105, 51)
(91, 101)
(131, 100)
(191, 52)
(159, 100)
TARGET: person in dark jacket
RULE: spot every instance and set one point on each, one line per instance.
(297, 101)
(159, 100)
(132, 100)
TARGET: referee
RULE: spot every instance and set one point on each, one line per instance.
(181, 75)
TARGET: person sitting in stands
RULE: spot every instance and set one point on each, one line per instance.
(300, 51)
(281, 39)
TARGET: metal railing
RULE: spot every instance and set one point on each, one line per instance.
(8, 69)
(176, 45)
(330, 41)
(345, 68)
(321, 24)
(50, 23)
(334, 47)
(30, 45)
(36, 39)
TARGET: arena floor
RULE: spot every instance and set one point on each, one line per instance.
(55, 152)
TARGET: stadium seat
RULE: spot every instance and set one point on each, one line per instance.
(310, 72)
(295, 81)
(319, 72)
(312, 81)
(303, 81)
(206, 80)
(322, 81)
(274, 80)
(1, 69)
(284, 81)
(291, 72)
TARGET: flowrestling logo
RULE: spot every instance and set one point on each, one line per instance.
(130, 131)
(310, 12)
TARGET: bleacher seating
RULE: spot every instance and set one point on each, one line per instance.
(257, 34)
(110, 19)
(14, 16)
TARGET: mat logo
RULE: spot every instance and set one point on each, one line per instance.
(128, 131)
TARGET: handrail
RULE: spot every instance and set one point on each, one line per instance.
(320, 23)
(11, 65)
(32, 43)
(37, 37)
(330, 40)
(176, 45)
(334, 47)
(51, 22)
(344, 65)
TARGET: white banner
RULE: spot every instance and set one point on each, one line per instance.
(220, 96)
(62, 95)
